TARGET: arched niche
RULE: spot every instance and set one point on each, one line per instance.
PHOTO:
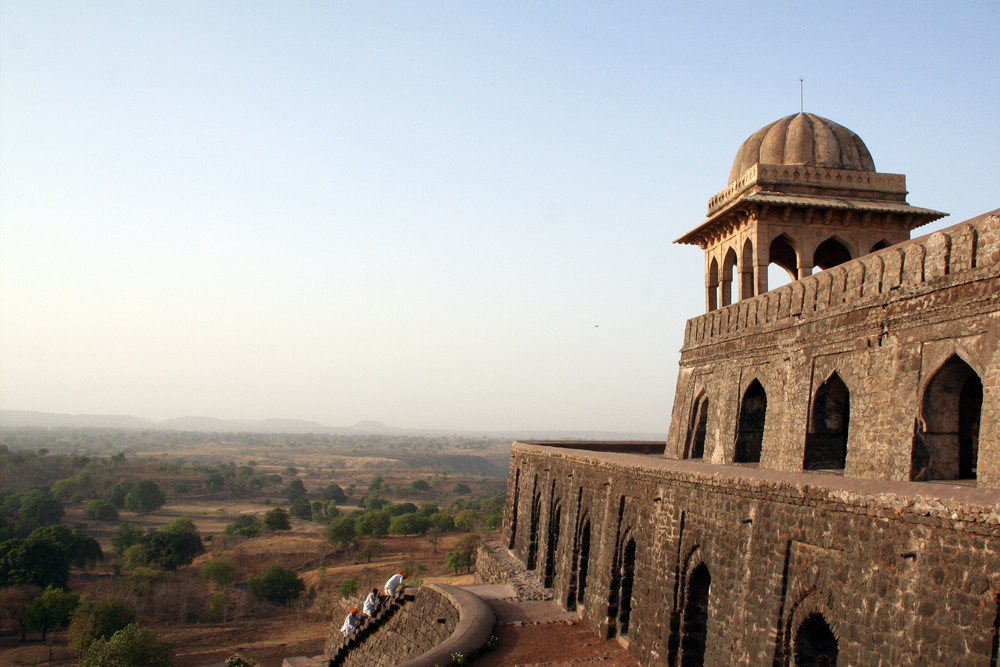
(750, 434)
(830, 253)
(694, 619)
(826, 440)
(694, 447)
(783, 266)
(713, 285)
(746, 271)
(728, 269)
(815, 643)
(946, 437)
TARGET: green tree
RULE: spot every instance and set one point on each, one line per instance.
(457, 561)
(145, 497)
(245, 525)
(466, 520)
(278, 585)
(40, 509)
(126, 534)
(420, 485)
(462, 489)
(39, 561)
(295, 489)
(215, 482)
(82, 550)
(97, 619)
(220, 571)
(301, 508)
(443, 521)
(118, 492)
(100, 510)
(373, 503)
(427, 509)
(340, 531)
(52, 609)
(370, 550)
(335, 493)
(276, 518)
(493, 521)
(378, 484)
(372, 524)
(132, 646)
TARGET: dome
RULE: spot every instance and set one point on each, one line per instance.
(806, 139)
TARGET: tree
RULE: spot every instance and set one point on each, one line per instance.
(462, 489)
(373, 503)
(170, 550)
(420, 485)
(220, 571)
(97, 619)
(278, 585)
(118, 492)
(276, 519)
(15, 603)
(340, 531)
(443, 521)
(100, 510)
(295, 489)
(52, 609)
(371, 549)
(145, 497)
(335, 493)
(457, 561)
(373, 524)
(215, 482)
(40, 509)
(126, 534)
(493, 521)
(466, 520)
(301, 508)
(378, 484)
(33, 560)
(132, 646)
(83, 551)
(245, 525)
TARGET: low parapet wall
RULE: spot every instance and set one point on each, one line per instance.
(422, 629)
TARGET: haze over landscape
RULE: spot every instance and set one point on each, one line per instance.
(440, 216)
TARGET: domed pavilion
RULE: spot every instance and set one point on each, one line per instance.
(803, 193)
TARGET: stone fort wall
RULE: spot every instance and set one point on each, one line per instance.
(885, 324)
(697, 563)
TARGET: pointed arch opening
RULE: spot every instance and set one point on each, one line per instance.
(694, 621)
(536, 508)
(815, 643)
(880, 245)
(750, 436)
(946, 437)
(783, 266)
(746, 271)
(826, 441)
(513, 512)
(694, 448)
(713, 285)
(830, 253)
(728, 269)
(627, 582)
(555, 518)
(580, 565)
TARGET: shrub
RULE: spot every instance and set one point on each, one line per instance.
(466, 520)
(97, 619)
(462, 489)
(301, 508)
(52, 609)
(276, 519)
(131, 646)
(335, 493)
(145, 497)
(341, 531)
(278, 585)
(246, 525)
(219, 571)
(100, 510)
(295, 489)
(348, 588)
(126, 534)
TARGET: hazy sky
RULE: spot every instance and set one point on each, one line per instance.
(443, 215)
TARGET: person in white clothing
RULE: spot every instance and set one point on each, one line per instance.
(350, 623)
(396, 583)
(371, 603)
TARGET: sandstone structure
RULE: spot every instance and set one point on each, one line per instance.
(829, 492)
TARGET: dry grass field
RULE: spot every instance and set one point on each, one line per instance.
(176, 605)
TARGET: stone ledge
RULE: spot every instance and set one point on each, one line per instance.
(475, 624)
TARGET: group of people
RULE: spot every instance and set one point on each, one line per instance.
(393, 587)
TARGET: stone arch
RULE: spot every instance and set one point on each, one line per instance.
(627, 584)
(879, 245)
(728, 269)
(832, 252)
(815, 644)
(514, 508)
(746, 270)
(946, 434)
(694, 447)
(829, 422)
(536, 510)
(750, 432)
(695, 614)
(552, 545)
(782, 253)
(580, 565)
(712, 285)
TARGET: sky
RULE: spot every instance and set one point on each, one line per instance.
(452, 215)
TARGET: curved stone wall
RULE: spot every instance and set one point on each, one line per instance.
(421, 629)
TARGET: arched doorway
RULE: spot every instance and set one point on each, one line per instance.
(580, 564)
(713, 285)
(513, 512)
(815, 643)
(536, 507)
(784, 263)
(553, 544)
(628, 580)
(750, 437)
(695, 446)
(728, 269)
(826, 442)
(746, 271)
(830, 253)
(694, 622)
(946, 443)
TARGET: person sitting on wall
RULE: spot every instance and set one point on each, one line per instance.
(395, 583)
(350, 623)
(372, 603)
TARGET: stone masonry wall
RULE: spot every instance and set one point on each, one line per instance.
(415, 627)
(901, 572)
(884, 323)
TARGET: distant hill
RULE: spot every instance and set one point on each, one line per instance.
(32, 419)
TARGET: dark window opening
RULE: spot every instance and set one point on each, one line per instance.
(815, 643)
(533, 532)
(830, 253)
(826, 442)
(880, 245)
(946, 441)
(695, 618)
(627, 581)
(750, 437)
(695, 448)
(553, 544)
(513, 518)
